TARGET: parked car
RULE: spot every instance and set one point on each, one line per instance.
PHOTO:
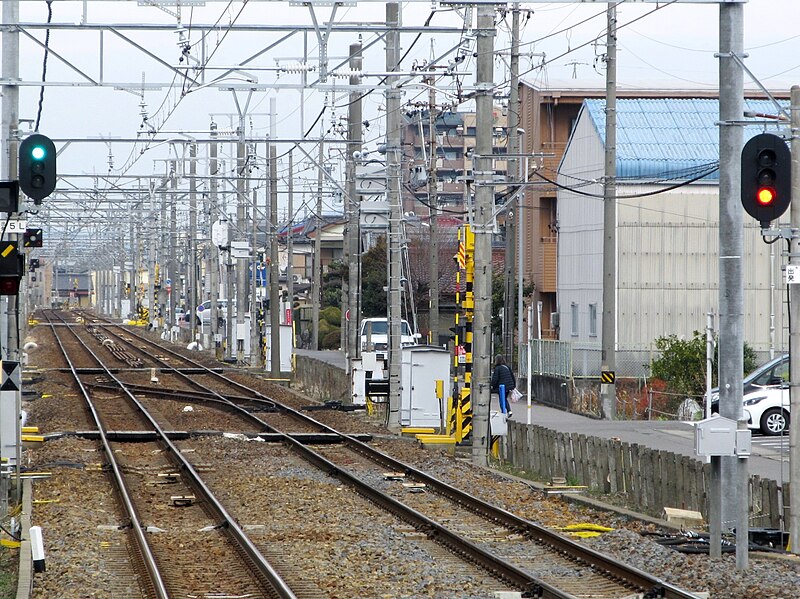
(203, 311)
(374, 335)
(772, 374)
(768, 410)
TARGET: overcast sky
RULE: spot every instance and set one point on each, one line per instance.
(669, 45)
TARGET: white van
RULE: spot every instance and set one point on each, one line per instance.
(374, 335)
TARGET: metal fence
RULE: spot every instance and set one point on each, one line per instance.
(564, 359)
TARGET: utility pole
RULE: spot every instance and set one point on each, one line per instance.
(393, 155)
(274, 267)
(242, 289)
(152, 304)
(191, 300)
(353, 248)
(172, 270)
(733, 472)
(794, 330)
(608, 390)
(10, 137)
(433, 199)
(163, 253)
(290, 242)
(256, 334)
(512, 175)
(213, 250)
(316, 275)
(482, 215)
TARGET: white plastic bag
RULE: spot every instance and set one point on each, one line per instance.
(515, 395)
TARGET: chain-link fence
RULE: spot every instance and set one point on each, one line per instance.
(580, 367)
(563, 359)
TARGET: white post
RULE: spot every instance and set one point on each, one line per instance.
(530, 365)
(709, 361)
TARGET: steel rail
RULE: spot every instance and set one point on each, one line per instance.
(649, 584)
(258, 561)
(142, 545)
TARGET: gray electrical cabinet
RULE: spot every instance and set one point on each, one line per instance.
(422, 367)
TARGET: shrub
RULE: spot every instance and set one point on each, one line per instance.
(682, 364)
(331, 340)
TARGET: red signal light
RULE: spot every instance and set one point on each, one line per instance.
(766, 195)
(9, 285)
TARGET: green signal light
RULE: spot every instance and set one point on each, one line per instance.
(37, 152)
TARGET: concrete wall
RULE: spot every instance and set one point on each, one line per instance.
(319, 380)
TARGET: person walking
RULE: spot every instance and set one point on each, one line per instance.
(502, 375)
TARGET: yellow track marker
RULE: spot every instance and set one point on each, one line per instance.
(586, 526)
(436, 439)
(417, 430)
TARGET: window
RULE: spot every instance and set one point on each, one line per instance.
(592, 320)
(573, 310)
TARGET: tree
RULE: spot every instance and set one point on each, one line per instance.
(332, 284)
(374, 275)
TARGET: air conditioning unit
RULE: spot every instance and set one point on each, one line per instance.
(554, 319)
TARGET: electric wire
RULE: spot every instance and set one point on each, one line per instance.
(44, 63)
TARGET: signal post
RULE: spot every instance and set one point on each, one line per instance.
(794, 329)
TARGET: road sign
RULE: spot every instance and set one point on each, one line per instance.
(608, 376)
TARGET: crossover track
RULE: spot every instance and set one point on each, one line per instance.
(502, 544)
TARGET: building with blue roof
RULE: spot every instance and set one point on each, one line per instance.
(667, 218)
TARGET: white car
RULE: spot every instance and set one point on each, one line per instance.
(767, 410)
(203, 311)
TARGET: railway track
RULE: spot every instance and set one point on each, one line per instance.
(522, 554)
(175, 522)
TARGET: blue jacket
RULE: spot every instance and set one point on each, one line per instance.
(502, 375)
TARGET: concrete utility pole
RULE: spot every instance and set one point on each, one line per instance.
(393, 155)
(316, 275)
(136, 235)
(433, 199)
(353, 248)
(213, 250)
(274, 268)
(152, 304)
(794, 330)
(242, 288)
(173, 288)
(482, 217)
(10, 137)
(289, 240)
(512, 175)
(608, 390)
(163, 252)
(256, 334)
(734, 475)
(191, 299)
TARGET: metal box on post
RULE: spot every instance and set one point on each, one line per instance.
(715, 436)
